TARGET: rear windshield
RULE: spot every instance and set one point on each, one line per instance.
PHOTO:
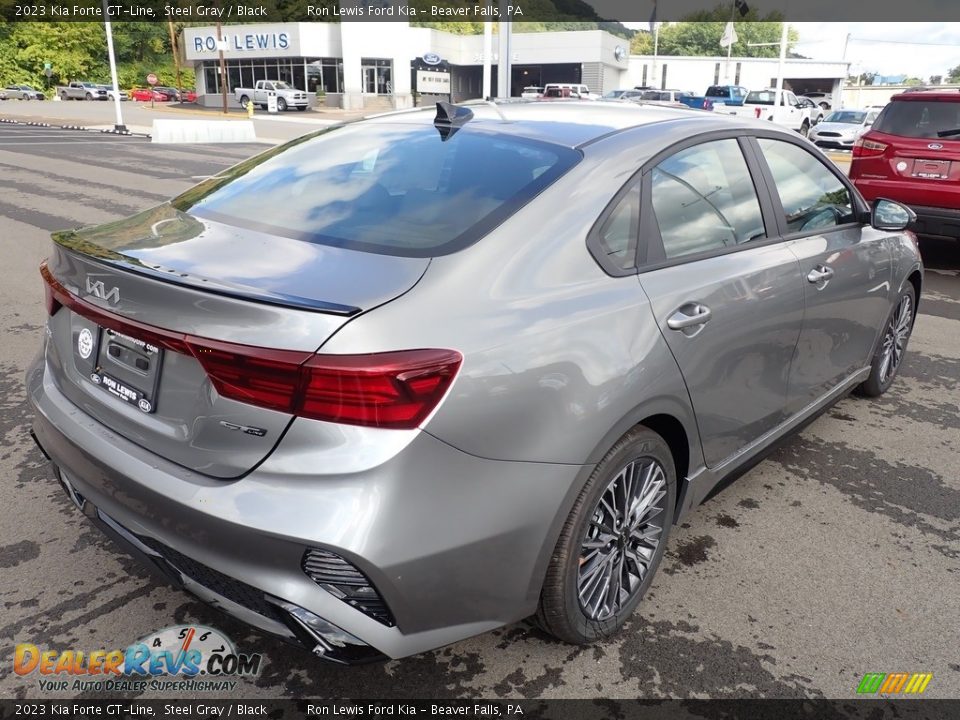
(389, 189)
(761, 97)
(921, 119)
(845, 116)
(718, 91)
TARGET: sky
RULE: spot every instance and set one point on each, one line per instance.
(886, 48)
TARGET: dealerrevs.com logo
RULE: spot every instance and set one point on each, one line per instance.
(185, 658)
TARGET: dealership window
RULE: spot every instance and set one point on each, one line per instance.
(324, 74)
(245, 73)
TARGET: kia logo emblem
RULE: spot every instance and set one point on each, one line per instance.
(431, 58)
(935, 146)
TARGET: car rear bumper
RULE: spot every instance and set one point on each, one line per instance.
(455, 545)
(938, 222)
(931, 220)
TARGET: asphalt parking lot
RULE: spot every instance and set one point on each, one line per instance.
(836, 556)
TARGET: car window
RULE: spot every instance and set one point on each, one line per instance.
(618, 234)
(704, 199)
(385, 188)
(920, 118)
(811, 195)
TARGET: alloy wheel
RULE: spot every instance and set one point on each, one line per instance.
(621, 539)
(895, 340)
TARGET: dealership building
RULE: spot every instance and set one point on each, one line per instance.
(384, 65)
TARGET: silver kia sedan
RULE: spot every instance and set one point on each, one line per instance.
(409, 379)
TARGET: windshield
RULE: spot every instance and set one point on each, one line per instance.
(920, 118)
(389, 189)
(280, 85)
(845, 116)
(615, 93)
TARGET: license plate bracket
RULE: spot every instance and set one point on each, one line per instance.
(931, 169)
(128, 368)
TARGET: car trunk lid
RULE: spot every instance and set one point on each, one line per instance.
(137, 288)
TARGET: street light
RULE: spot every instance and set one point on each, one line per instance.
(118, 126)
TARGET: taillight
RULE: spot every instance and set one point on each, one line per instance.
(708, 104)
(868, 148)
(386, 390)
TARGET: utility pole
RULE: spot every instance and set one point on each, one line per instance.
(733, 10)
(223, 67)
(656, 42)
(784, 37)
(487, 58)
(118, 126)
(503, 62)
(176, 58)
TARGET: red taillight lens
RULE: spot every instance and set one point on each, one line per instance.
(49, 296)
(388, 390)
(868, 148)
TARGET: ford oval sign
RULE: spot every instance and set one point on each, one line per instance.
(935, 146)
(431, 58)
(619, 52)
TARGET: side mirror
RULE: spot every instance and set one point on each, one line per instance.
(890, 215)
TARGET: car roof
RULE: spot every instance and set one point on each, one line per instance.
(953, 94)
(571, 124)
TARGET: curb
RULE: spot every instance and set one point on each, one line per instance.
(108, 131)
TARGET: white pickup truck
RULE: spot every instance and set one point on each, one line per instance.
(287, 95)
(761, 104)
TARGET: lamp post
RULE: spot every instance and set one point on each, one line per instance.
(118, 126)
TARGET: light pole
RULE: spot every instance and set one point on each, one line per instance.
(118, 126)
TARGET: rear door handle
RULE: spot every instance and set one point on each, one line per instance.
(820, 273)
(688, 316)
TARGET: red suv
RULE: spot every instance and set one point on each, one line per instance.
(912, 155)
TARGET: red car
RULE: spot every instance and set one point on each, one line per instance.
(148, 94)
(912, 155)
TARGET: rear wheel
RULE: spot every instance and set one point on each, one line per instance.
(612, 542)
(64, 96)
(889, 355)
(244, 101)
(805, 128)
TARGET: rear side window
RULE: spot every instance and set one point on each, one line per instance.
(812, 197)
(390, 189)
(704, 199)
(718, 91)
(920, 119)
(618, 235)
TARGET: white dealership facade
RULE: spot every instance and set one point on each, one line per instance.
(387, 64)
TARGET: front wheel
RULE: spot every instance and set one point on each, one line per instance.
(281, 105)
(889, 355)
(88, 96)
(612, 541)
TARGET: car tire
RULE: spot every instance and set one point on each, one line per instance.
(88, 96)
(64, 96)
(244, 101)
(892, 347)
(281, 105)
(575, 604)
(805, 129)
(825, 106)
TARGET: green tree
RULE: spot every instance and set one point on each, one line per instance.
(936, 79)
(953, 75)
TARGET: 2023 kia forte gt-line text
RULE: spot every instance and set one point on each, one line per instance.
(413, 378)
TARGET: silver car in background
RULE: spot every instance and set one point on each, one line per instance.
(410, 379)
(840, 129)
